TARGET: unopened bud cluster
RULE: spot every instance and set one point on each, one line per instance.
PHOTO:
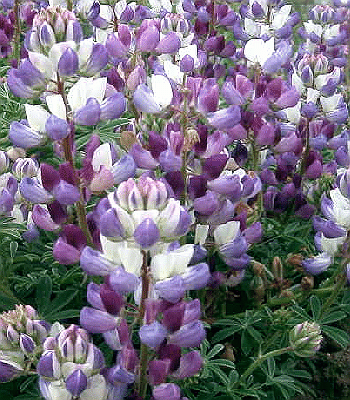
(305, 339)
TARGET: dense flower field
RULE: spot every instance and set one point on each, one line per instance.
(175, 199)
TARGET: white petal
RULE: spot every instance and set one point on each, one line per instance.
(102, 156)
(58, 391)
(173, 71)
(85, 49)
(56, 105)
(293, 113)
(42, 63)
(119, 7)
(36, 117)
(96, 390)
(252, 28)
(280, 18)
(226, 232)
(331, 245)
(140, 215)
(201, 234)
(57, 50)
(173, 263)
(163, 93)
(77, 96)
(297, 83)
(312, 95)
(330, 103)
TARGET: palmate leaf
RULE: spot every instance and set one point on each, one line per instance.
(338, 335)
(316, 308)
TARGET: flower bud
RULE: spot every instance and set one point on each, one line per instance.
(305, 339)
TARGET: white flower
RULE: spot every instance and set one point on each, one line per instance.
(225, 233)
(258, 51)
(77, 96)
(280, 16)
(341, 208)
(168, 264)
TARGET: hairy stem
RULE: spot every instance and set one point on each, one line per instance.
(17, 33)
(142, 386)
(259, 361)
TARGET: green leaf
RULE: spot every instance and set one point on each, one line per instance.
(271, 366)
(246, 343)
(303, 315)
(43, 293)
(224, 333)
(13, 249)
(255, 334)
(316, 307)
(223, 363)
(6, 302)
(62, 299)
(333, 317)
(65, 314)
(338, 335)
(215, 350)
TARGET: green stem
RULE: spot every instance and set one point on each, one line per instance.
(337, 288)
(258, 362)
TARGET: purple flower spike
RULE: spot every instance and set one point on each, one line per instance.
(288, 99)
(98, 59)
(123, 169)
(120, 374)
(8, 372)
(115, 48)
(158, 370)
(113, 107)
(147, 233)
(171, 289)
(67, 248)
(187, 64)
(235, 248)
(93, 262)
(226, 118)
(167, 391)
(48, 365)
(144, 100)
(196, 276)
(253, 233)
(153, 335)
(26, 343)
(169, 161)
(190, 364)
(76, 383)
(56, 128)
(317, 265)
(68, 63)
(148, 38)
(189, 335)
(96, 321)
(143, 158)
(32, 191)
(110, 225)
(22, 136)
(122, 281)
(65, 193)
(89, 114)
(170, 44)
(238, 264)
